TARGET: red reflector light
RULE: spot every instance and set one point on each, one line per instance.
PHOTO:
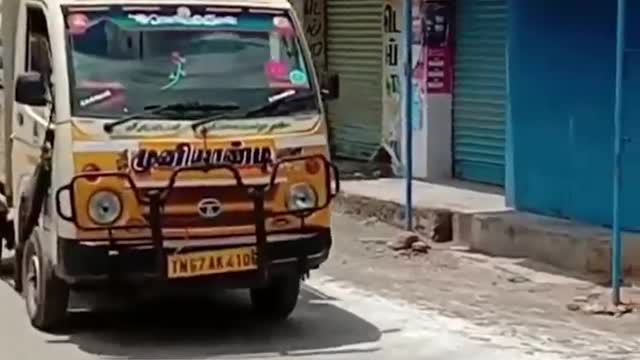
(312, 166)
(90, 168)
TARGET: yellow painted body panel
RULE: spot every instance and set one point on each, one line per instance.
(124, 161)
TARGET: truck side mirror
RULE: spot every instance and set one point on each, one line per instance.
(30, 89)
(330, 86)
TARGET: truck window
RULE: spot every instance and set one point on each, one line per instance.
(122, 60)
(38, 53)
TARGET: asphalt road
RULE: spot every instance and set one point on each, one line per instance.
(334, 320)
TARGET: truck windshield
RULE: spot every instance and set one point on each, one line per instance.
(123, 58)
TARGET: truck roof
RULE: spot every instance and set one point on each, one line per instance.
(275, 4)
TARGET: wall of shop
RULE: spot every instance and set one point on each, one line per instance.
(392, 70)
(298, 7)
(560, 127)
(431, 85)
(312, 15)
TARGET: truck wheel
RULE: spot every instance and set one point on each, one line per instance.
(46, 296)
(277, 300)
(22, 238)
(17, 268)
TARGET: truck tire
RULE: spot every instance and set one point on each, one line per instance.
(46, 296)
(6, 232)
(29, 210)
(17, 268)
(33, 199)
(277, 300)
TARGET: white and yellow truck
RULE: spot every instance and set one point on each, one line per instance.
(163, 144)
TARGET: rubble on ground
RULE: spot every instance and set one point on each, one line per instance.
(596, 308)
(591, 304)
(420, 246)
(406, 242)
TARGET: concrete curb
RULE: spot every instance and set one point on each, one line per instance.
(576, 248)
(434, 223)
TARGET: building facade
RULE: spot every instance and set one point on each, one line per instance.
(514, 93)
(560, 129)
(458, 86)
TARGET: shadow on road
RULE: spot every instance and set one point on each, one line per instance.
(217, 326)
(6, 266)
(220, 325)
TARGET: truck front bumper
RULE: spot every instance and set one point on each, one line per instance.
(91, 263)
(88, 265)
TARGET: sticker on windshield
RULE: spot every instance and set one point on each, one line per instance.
(78, 24)
(95, 98)
(178, 73)
(297, 77)
(275, 70)
(184, 17)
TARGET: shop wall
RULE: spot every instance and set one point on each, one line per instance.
(392, 66)
(430, 83)
(314, 22)
(298, 7)
(561, 70)
(312, 15)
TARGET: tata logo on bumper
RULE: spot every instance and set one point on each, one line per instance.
(209, 208)
(185, 154)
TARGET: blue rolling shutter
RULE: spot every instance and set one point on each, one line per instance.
(479, 102)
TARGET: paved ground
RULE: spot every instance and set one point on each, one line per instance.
(454, 195)
(367, 303)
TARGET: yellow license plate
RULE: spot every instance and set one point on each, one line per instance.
(211, 262)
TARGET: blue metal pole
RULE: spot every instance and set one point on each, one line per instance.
(616, 246)
(408, 113)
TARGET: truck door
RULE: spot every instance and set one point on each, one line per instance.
(29, 122)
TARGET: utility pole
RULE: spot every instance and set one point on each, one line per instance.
(616, 240)
(408, 111)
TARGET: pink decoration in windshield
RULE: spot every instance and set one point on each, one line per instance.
(283, 26)
(276, 70)
(78, 23)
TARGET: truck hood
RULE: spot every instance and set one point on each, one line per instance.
(92, 129)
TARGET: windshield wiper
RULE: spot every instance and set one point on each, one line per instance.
(285, 97)
(274, 102)
(176, 107)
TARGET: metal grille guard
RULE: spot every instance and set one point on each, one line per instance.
(155, 199)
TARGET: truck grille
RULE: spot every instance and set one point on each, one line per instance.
(181, 209)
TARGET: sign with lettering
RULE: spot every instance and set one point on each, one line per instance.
(185, 154)
(437, 35)
(183, 17)
(391, 72)
(315, 30)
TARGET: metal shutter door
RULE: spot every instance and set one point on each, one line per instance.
(479, 101)
(354, 51)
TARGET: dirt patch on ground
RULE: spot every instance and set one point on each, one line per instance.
(500, 293)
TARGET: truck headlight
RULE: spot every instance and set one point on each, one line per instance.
(105, 207)
(301, 197)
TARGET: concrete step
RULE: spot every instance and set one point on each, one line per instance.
(476, 217)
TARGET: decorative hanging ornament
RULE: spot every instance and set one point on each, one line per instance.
(78, 23)
(283, 26)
